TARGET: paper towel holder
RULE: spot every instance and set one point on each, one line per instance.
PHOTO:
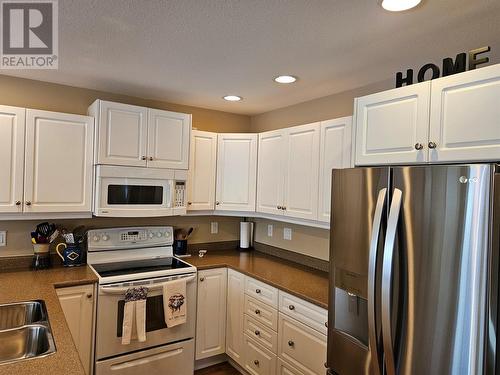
(246, 235)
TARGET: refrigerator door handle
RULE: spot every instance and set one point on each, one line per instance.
(390, 238)
(372, 269)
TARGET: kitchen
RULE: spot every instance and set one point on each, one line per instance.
(183, 212)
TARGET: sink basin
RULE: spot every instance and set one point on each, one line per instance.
(14, 315)
(25, 342)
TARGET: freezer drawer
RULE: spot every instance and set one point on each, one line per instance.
(175, 359)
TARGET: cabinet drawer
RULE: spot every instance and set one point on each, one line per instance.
(263, 335)
(285, 369)
(261, 312)
(305, 312)
(261, 291)
(258, 360)
(302, 347)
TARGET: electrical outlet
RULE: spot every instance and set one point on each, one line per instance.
(287, 234)
(214, 227)
(3, 238)
(269, 230)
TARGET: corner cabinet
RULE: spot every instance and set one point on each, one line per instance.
(78, 305)
(392, 126)
(211, 313)
(136, 136)
(236, 172)
(202, 171)
(465, 116)
(46, 160)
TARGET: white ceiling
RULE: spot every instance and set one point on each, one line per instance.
(195, 51)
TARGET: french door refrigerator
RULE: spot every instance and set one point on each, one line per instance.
(413, 270)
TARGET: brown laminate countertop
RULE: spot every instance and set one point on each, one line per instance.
(17, 286)
(301, 281)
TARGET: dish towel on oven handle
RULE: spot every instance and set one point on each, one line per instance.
(175, 302)
(134, 311)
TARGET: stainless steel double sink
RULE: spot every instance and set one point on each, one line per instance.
(24, 331)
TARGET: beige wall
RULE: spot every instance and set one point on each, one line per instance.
(53, 97)
(19, 243)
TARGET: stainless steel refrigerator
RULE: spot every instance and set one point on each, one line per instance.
(414, 270)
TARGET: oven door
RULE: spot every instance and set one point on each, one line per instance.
(110, 306)
(133, 192)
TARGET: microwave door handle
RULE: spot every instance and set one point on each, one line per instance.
(372, 269)
(151, 287)
(387, 263)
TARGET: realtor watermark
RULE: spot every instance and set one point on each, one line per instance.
(29, 34)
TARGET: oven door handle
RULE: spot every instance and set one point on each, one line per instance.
(123, 290)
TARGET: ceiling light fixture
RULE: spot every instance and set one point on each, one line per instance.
(399, 5)
(232, 98)
(285, 79)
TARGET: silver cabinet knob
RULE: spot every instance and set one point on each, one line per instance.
(143, 158)
(202, 279)
(279, 207)
(257, 312)
(432, 145)
(291, 307)
(258, 291)
(150, 158)
(18, 203)
(217, 203)
(28, 203)
(256, 362)
(257, 332)
(284, 208)
(326, 324)
(190, 203)
(89, 295)
(419, 146)
(291, 343)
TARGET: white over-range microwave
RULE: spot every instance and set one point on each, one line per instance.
(139, 192)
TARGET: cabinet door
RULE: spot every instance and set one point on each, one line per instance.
(122, 134)
(12, 125)
(236, 172)
(258, 360)
(235, 315)
(202, 171)
(335, 153)
(58, 170)
(271, 172)
(211, 313)
(465, 116)
(168, 139)
(391, 125)
(77, 303)
(302, 171)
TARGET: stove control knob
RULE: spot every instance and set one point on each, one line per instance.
(158, 234)
(105, 237)
(151, 234)
(167, 234)
(95, 238)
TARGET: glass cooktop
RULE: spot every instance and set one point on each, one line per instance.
(138, 266)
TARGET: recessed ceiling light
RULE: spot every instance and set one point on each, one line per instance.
(399, 5)
(285, 79)
(232, 98)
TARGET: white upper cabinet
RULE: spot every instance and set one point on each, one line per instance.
(270, 177)
(302, 171)
(12, 127)
(236, 172)
(392, 126)
(465, 116)
(58, 164)
(168, 139)
(136, 136)
(122, 133)
(202, 171)
(335, 153)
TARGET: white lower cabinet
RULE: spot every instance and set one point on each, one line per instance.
(258, 360)
(285, 369)
(211, 313)
(266, 337)
(235, 315)
(77, 303)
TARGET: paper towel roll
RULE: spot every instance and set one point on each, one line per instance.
(245, 234)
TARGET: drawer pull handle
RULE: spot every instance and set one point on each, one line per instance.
(258, 291)
(257, 332)
(256, 362)
(257, 312)
(291, 307)
(202, 279)
(291, 343)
